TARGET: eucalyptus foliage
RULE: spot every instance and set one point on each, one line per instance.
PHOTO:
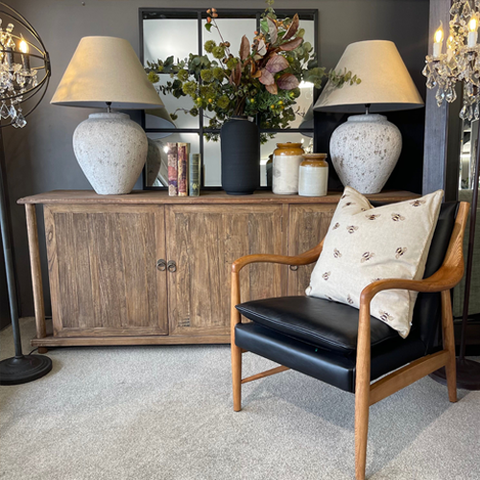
(261, 79)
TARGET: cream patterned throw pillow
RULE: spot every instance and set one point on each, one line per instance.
(365, 244)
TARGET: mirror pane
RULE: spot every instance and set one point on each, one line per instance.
(173, 105)
(156, 168)
(212, 164)
(467, 155)
(232, 29)
(305, 100)
(466, 186)
(163, 37)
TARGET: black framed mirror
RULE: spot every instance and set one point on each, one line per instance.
(178, 32)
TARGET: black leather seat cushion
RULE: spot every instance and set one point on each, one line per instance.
(326, 365)
(316, 321)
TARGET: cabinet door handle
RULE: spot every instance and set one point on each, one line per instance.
(161, 265)
(171, 266)
(293, 268)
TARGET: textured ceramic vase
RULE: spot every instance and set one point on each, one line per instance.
(364, 151)
(240, 144)
(111, 149)
(287, 158)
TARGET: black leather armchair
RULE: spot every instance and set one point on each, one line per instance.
(346, 347)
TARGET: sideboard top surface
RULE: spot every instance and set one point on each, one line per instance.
(149, 197)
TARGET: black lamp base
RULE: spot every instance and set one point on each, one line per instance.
(24, 369)
(468, 375)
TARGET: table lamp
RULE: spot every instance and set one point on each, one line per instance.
(111, 149)
(365, 149)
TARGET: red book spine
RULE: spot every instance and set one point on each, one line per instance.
(172, 169)
(182, 169)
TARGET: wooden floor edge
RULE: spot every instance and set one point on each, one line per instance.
(407, 375)
(120, 341)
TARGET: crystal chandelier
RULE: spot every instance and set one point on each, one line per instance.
(461, 62)
(24, 66)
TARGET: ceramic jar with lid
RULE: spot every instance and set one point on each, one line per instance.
(287, 158)
(313, 175)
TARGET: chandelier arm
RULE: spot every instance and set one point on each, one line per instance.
(31, 55)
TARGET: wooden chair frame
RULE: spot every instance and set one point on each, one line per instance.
(367, 393)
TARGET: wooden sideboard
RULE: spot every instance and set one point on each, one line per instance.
(146, 268)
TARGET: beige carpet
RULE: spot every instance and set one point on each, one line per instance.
(145, 413)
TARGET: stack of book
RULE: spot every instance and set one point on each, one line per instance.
(183, 170)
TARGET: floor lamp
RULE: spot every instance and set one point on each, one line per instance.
(443, 71)
(24, 73)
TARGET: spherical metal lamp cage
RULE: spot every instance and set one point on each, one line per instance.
(23, 59)
(19, 69)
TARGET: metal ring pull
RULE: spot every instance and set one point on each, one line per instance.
(161, 265)
(171, 266)
(293, 268)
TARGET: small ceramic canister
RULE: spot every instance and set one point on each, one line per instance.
(287, 158)
(313, 181)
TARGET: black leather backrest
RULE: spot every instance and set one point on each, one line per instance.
(427, 312)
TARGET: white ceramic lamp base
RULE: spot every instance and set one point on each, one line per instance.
(111, 149)
(364, 151)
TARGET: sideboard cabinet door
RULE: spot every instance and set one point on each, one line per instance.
(203, 241)
(308, 225)
(102, 268)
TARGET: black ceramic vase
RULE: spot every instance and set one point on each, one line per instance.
(240, 143)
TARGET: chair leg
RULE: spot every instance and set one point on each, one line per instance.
(237, 377)
(235, 319)
(361, 431)
(362, 391)
(449, 344)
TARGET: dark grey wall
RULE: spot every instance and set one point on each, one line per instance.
(40, 156)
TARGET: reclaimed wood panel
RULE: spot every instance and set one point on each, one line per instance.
(161, 197)
(102, 267)
(308, 224)
(204, 242)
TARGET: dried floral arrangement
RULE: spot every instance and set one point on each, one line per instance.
(263, 79)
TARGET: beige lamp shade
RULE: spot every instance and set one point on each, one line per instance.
(106, 69)
(385, 84)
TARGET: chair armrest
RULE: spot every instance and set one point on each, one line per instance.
(303, 259)
(445, 278)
